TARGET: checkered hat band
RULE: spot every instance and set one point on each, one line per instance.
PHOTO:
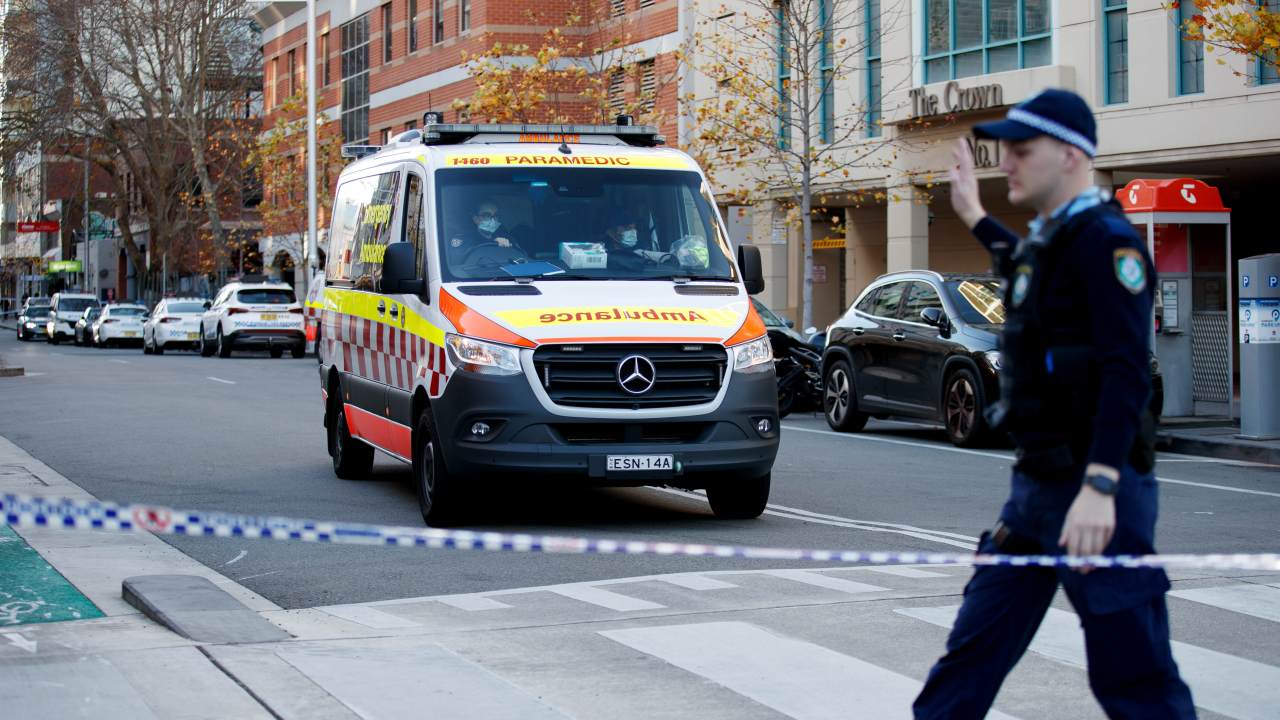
(1055, 129)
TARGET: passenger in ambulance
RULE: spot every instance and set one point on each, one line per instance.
(622, 242)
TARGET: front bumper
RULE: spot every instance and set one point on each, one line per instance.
(526, 438)
(266, 338)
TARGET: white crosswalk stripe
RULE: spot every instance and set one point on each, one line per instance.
(1260, 601)
(605, 598)
(698, 582)
(826, 581)
(369, 616)
(472, 602)
(1222, 683)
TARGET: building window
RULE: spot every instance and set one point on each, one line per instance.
(386, 33)
(616, 93)
(1268, 73)
(274, 95)
(386, 136)
(1190, 54)
(784, 76)
(1115, 51)
(648, 86)
(437, 19)
(324, 59)
(411, 125)
(464, 15)
(873, 68)
(647, 3)
(355, 80)
(964, 38)
(413, 25)
(826, 73)
(293, 72)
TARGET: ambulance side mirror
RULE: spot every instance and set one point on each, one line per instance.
(749, 264)
(400, 271)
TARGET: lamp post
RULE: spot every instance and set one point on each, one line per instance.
(309, 242)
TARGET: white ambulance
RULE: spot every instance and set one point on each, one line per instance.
(547, 302)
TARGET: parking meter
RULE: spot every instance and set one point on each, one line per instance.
(1259, 317)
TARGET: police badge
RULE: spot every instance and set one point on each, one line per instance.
(1130, 270)
(1021, 284)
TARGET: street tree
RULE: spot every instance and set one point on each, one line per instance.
(1250, 28)
(782, 122)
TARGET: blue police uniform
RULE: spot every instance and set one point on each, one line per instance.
(1075, 385)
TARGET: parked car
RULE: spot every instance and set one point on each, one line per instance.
(32, 318)
(64, 312)
(119, 323)
(175, 322)
(796, 363)
(84, 326)
(253, 313)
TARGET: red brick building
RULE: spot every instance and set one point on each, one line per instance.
(380, 66)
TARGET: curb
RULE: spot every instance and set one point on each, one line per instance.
(195, 608)
(1227, 449)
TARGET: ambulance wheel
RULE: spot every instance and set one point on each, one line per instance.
(739, 499)
(437, 489)
(352, 459)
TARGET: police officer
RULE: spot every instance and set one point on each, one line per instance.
(1075, 385)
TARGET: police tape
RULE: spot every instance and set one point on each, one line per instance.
(96, 515)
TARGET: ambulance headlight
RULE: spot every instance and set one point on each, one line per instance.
(752, 357)
(478, 356)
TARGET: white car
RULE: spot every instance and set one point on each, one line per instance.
(175, 322)
(119, 323)
(65, 310)
(257, 314)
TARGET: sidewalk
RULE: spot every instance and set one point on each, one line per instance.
(1214, 437)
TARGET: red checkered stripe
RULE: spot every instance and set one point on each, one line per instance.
(384, 353)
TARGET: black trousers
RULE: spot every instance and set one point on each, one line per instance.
(1126, 624)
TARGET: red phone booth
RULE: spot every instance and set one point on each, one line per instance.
(1188, 232)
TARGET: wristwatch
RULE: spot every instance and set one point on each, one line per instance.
(1102, 484)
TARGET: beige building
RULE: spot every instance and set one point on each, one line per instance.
(1164, 109)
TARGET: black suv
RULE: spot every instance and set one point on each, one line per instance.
(923, 345)
(920, 345)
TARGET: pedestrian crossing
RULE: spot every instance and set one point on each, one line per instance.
(803, 644)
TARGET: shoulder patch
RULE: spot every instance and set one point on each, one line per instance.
(1131, 271)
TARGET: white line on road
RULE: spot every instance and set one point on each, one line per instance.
(906, 572)
(1222, 683)
(120, 362)
(237, 558)
(816, 579)
(817, 683)
(220, 380)
(20, 640)
(471, 603)
(1009, 458)
(697, 582)
(605, 598)
(369, 617)
(250, 577)
(1260, 601)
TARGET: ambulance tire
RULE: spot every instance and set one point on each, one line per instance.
(740, 499)
(352, 459)
(437, 489)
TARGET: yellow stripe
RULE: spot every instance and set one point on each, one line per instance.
(365, 305)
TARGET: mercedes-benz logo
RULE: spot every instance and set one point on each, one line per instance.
(636, 374)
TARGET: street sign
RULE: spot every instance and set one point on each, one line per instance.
(65, 266)
(38, 226)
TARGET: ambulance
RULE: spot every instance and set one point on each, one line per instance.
(543, 304)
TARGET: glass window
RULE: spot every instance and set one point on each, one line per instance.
(973, 37)
(769, 317)
(888, 300)
(386, 33)
(1115, 41)
(413, 25)
(827, 96)
(784, 76)
(922, 296)
(184, 307)
(1268, 72)
(964, 38)
(266, 296)
(868, 302)
(437, 21)
(324, 58)
(464, 15)
(1190, 54)
(568, 223)
(873, 68)
(415, 220)
(66, 305)
(978, 301)
(126, 311)
(355, 80)
(362, 217)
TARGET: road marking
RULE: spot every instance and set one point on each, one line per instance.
(237, 558)
(818, 683)
(906, 572)
(1260, 601)
(471, 602)
(605, 598)
(1009, 458)
(698, 582)
(34, 374)
(250, 577)
(1221, 683)
(121, 362)
(816, 579)
(220, 380)
(369, 617)
(21, 641)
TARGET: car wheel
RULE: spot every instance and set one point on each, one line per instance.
(206, 348)
(53, 339)
(840, 401)
(352, 459)
(437, 489)
(224, 347)
(297, 351)
(962, 410)
(146, 348)
(157, 348)
(740, 499)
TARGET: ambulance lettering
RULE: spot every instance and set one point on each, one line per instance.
(566, 316)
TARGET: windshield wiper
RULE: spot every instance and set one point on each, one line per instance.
(689, 278)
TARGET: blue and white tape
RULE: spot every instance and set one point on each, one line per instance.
(69, 514)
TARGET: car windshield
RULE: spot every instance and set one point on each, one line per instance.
(579, 224)
(185, 307)
(266, 296)
(767, 315)
(38, 311)
(978, 300)
(77, 305)
(127, 312)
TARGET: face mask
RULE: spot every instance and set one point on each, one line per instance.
(489, 225)
(629, 238)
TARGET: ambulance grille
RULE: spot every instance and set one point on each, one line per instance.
(587, 375)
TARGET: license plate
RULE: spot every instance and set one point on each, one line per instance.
(267, 316)
(639, 463)
(130, 333)
(193, 336)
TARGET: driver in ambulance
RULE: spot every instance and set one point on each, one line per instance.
(486, 227)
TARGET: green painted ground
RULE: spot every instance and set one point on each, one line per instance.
(31, 591)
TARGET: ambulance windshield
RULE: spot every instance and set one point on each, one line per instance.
(578, 223)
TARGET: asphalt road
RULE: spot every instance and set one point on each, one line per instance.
(244, 435)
